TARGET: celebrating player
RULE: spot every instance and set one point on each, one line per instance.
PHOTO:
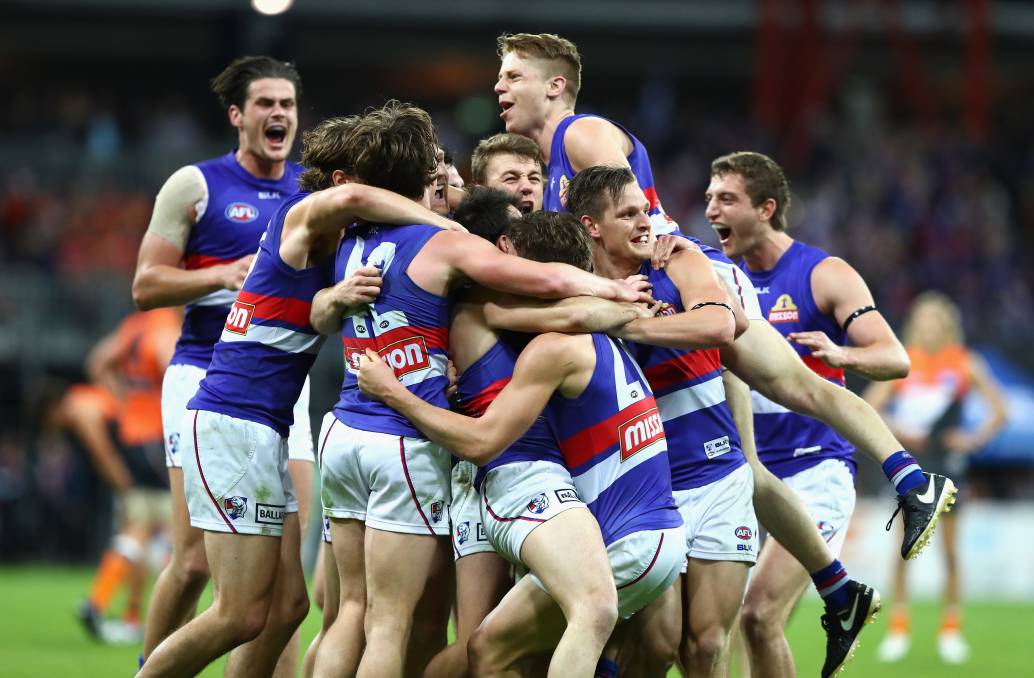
(511, 163)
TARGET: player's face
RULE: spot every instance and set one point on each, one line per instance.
(454, 178)
(521, 89)
(439, 198)
(516, 174)
(268, 123)
(624, 231)
(736, 221)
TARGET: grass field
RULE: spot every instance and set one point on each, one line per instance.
(40, 636)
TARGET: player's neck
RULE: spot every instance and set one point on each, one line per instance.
(263, 168)
(614, 269)
(544, 137)
(769, 249)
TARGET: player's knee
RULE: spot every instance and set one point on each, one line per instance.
(484, 652)
(597, 609)
(758, 620)
(660, 649)
(192, 569)
(705, 647)
(290, 613)
(245, 623)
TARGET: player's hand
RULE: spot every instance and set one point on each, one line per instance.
(234, 273)
(822, 347)
(453, 376)
(362, 287)
(644, 310)
(641, 285)
(665, 246)
(376, 379)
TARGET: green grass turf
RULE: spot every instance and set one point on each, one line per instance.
(40, 636)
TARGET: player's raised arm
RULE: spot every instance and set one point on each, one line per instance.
(542, 367)
(159, 279)
(841, 293)
(710, 318)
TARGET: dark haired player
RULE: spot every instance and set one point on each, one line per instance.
(204, 230)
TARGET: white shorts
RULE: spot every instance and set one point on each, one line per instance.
(719, 518)
(392, 483)
(516, 498)
(468, 532)
(180, 384)
(236, 478)
(827, 489)
(645, 565)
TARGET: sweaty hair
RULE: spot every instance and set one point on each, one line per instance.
(393, 147)
(552, 236)
(763, 179)
(595, 188)
(560, 52)
(485, 212)
(501, 143)
(231, 86)
(324, 150)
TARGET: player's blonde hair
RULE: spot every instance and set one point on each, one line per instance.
(561, 53)
(514, 144)
(951, 330)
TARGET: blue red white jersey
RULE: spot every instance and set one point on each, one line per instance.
(561, 173)
(479, 385)
(229, 223)
(788, 442)
(267, 345)
(613, 443)
(407, 325)
(703, 444)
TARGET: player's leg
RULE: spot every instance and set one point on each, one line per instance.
(649, 641)
(176, 591)
(482, 579)
(326, 570)
(566, 554)
(777, 582)
(951, 645)
(345, 572)
(431, 617)
(714, 589)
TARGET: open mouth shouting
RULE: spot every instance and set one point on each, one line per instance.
(724, 232)
(276, 135)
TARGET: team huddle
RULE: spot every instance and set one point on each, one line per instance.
(561, 421)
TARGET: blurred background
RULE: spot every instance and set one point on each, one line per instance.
(904, 126)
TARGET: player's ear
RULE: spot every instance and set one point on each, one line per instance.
(338, 177)
(236, 116)
(590, 225)
(505, 245)
(766, 209)
(556, 86)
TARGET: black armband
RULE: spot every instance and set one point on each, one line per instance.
(862, 311)
(713, 303)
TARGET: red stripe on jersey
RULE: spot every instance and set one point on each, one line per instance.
(823, 370)
(583, 446)
(434, 337)
(196, 261)
(480, 402)
(268, 307)
(651, 196)
(688, 365)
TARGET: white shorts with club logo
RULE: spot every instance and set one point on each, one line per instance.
(392, 483)
(180, 384)
(827, 489)
(468, 531)
(719, 518)
(516, 498)
(235, 479)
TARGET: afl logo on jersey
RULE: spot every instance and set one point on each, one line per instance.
(784, 310)
(241, 212)
(743, 532)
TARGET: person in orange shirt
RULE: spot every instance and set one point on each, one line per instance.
(923, 410)
(118, 420)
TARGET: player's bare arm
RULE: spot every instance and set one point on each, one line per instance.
(573, 315)
(667, 245)
(711, 318)
(159, 279)
(875, 353)
(595, 141)
(316, 221)
(546, 364)
(332, 304)
(460, 255)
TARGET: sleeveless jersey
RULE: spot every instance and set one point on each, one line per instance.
(561, 173)
(935, 383)
(788, 442)
(613, 444)
(703, 444)
(267, 345)
(407, 325)
(229, 224)
(479, 385)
